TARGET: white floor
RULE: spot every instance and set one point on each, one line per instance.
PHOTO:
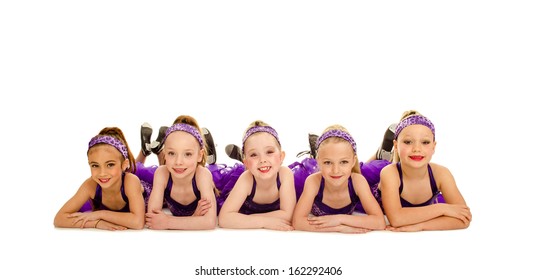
(71, 69)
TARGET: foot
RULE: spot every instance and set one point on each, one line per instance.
(211, 147)
(158, 144)
(234, 152)
(312, 139)
(145, 133)
(385, 150)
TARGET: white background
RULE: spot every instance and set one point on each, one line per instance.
(70, 68)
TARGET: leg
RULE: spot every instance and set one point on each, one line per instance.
(385, 150)
(211, 147)
(145, 134)
(234, 152)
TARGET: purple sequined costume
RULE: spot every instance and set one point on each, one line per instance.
(97, 202)
(251, 207)
(320, 209)
(176, 208)
(435, 198)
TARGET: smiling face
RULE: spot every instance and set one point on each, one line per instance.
(263, 155)
(182, 153)
(415, 145)
(335, 158)
(106, 165)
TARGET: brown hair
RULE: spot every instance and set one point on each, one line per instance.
(118, 134)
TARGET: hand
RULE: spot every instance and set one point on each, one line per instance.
(156, 220)
(408, 228)
(278, 224)
(324, 221)
(83, 218)
(459, 211)
(203, 206)
(109, 226)
(349, 229)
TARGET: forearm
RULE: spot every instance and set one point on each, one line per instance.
(192, 222)
(413, 215)
(373, 222)
(281, 214)
(63, 221)
(241, 221)
(443, 223)
(128, 220)
(302, 223)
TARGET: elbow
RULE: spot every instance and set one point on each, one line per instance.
(395, 221)
(139, 225)
(380, 223)
(296, 223)
(465, 225)
(211, 223)
(222, 221)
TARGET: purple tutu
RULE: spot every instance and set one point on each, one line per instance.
(146, 174)
(301, 171)
(371, 171)
(224, 178)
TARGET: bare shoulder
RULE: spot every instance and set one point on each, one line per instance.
(131, 178)
(314, 178)
(286, 171)
(203, 171)
(440, 170)
(89, 186)
(358, 178)
(389, 170)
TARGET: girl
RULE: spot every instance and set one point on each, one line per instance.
(264, 194)
(183, 182)
(332, 194)
(411, 186)
(116, 194)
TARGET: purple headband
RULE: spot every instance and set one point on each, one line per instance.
(106, 139)
(186, 128)
(412, 120)
(337, 133)
(259, 128)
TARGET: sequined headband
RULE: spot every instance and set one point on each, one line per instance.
(106, 139)
(259, 128)
(186, 128)
(337, 133)
(412, 120)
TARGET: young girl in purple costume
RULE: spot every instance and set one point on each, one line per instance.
(115, 195)
(183, 182)
(330, 196)
(412, 186)
(264, 194)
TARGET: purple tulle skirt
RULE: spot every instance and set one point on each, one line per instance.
(301, 171)
(224, 178)
(146, 174)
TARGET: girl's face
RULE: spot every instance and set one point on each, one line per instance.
(107, 165)
(415, 145)
(335, 159)
(262, 155)
(182, 153)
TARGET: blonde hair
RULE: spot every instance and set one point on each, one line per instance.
(260, 123)
(395, 156)
(186, 119)
(356, 167)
